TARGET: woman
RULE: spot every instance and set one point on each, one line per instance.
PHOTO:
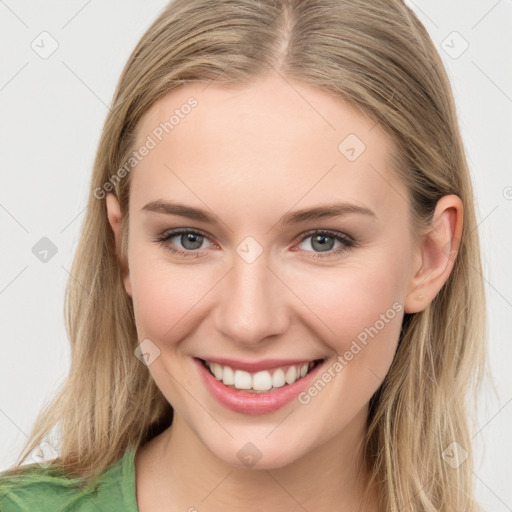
(279, 270)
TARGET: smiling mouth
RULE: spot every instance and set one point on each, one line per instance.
(261, 381)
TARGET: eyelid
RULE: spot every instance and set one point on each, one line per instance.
(301, 237)
(347, 241)
(329, 232)
(164, 236)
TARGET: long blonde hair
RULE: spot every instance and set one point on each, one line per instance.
(378, 56)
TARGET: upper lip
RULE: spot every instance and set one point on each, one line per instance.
(256, 366)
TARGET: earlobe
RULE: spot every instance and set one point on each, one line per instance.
(436, 253)
(115, 220)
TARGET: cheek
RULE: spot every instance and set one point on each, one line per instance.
(166, 296)
(359, 303)
(344, 302)
(362, 309)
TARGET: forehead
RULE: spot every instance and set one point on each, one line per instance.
(275, 138)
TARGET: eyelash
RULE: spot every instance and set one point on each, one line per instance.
(347, 242)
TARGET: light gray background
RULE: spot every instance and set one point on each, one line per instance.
(52, 111)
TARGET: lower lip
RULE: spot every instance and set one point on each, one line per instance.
(255, 403)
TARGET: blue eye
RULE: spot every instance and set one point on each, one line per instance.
(324, 241)
(192, 240)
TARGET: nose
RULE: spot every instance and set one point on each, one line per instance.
(252, 303)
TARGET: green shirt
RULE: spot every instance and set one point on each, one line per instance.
(46, 491)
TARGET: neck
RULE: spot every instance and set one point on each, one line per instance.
(188, 476)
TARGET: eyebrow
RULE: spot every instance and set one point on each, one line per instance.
(296, 217)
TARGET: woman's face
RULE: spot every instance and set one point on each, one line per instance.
(260, 284)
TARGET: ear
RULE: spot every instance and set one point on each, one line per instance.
(436, 251)
(115, 220)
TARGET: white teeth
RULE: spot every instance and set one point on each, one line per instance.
(262, 381)
(278, 380)
(291, 375)
(259, 381)
(243, 380)
(217, 370)
(228, 377)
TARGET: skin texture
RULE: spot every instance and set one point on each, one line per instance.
(249, 155)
